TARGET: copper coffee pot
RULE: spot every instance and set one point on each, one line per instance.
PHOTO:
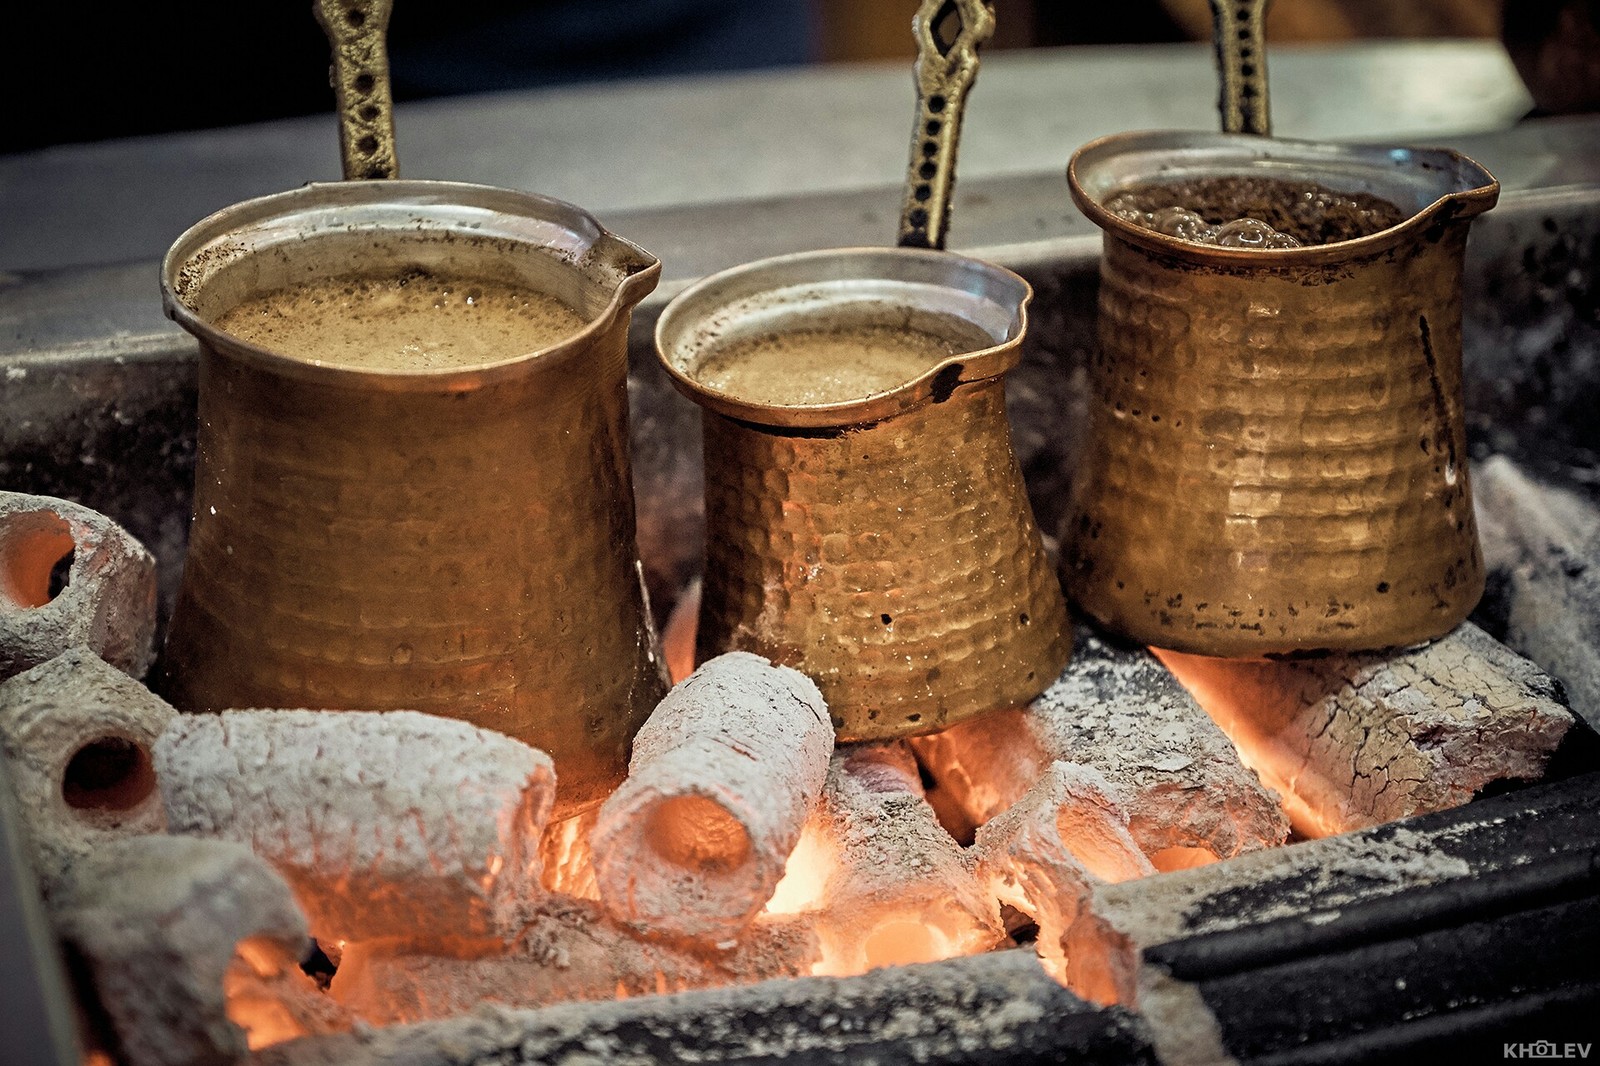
(1276, 454)
(456, 541)
(882, 544)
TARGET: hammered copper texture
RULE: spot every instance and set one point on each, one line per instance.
(460, 544)
(897, 564)
(1276, 459)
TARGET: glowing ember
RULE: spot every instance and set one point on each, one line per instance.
(1351, 741)
(269, 997)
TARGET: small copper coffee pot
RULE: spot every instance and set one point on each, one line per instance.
(1276, 452)
(882, 544)
(455, 541)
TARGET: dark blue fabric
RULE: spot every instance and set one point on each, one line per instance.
(439, 48)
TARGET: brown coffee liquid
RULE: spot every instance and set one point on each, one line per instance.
(812, 366)
(414, 321)
(1243, 211)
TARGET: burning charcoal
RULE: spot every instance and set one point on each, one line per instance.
(1540, 545)
(570, 950)
(1355, 740)
(1045, 853)
(272, 999)
(882, 880)
(69, 575)
(76, 734)
(1188, 798)
(385, 824)
(162, 924)
(722, 778)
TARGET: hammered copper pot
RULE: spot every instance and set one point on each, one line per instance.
(459, 542)
(1276, 459)
(882, 545)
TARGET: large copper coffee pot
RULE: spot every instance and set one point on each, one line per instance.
(459, 542)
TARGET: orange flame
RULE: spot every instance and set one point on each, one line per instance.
(1208, 681)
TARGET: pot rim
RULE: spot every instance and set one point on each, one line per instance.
(564, 231)
(1464, 188)
(682, 330)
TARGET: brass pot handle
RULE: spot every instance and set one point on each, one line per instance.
(1238, 29)
(945, 69)
(356, 32)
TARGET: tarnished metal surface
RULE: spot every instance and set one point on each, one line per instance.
(356, 30)
(1276, 457)
(458, 541)
(946, 69)
(883, 546)
(1238, 31)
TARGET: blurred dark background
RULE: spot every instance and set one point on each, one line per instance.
(117, 70)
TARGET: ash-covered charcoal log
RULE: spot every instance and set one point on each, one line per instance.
(68, 576)
(1044, 854)
(1541, 546)
(1188, 798)
(1355, 740)
(385, 824)
(881, 880)
(192, 947)
(723, 776)
(77, 734)
(569, 951)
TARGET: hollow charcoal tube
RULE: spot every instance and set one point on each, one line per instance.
(69, 576)
(76, 734)
(722, 779)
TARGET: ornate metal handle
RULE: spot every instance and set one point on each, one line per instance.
(356, 31)
(1238, 28)
(947, 65)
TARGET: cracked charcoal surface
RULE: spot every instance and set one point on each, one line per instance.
(1120, 712)
(1365, 739)
(385, 824)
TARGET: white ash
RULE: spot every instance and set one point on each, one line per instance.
(385, 824)
(723, 776)
(108, 602)
(77, 734)
(158, 921)
(1121, 713)
(1103, 947)
(1541, 544)
(569, 950)
(898, 888)
(1045, 853)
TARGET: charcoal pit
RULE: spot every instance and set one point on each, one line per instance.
(1359, 946)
